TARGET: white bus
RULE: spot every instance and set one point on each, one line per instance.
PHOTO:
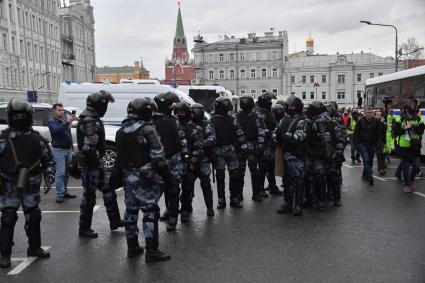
(398, 87)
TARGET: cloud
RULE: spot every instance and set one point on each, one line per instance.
(129, 29)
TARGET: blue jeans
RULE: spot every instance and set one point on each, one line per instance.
(62, 158)
(367, 152)
(411, 167)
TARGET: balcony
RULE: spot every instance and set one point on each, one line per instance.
(69, 57)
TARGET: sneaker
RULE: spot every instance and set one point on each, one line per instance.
(413, 185)
(59, 199)
(407, 189)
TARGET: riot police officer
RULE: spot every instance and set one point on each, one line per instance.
(195, 143)
(141, 168)
(278, 111)
(320, 148)
(203, 170)
(291, 135)
(91, 147)
(254, 131)
(24, 156)
(229, 139)
(264, 104)
(175, 148)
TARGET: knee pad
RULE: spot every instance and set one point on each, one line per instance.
(9, 217)
(33, 214)
(151, 217)
(152, 207)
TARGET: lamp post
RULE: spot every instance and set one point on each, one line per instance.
(396, 39)
(33, 79)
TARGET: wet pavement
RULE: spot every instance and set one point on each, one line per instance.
(378, 235)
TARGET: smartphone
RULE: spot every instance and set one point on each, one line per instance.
(73, 112)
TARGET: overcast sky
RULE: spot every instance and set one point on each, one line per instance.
(129, 29)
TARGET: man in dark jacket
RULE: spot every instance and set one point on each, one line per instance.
(366, 135)
(380, 154)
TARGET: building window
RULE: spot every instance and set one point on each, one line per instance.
(359, 93)
(371, 75)
(324, 95)
(242, 57)
(292, 79)
(312, 95)
(252, 73)
(221, 74)
(29, 50)
(304, 96)
(8, 76)
(211, 75)
(341, 95)
(221, 57)
(264, 73)
(13, 44)
(232, 57)
(359, 77)
(323, 79)
(275, 73)
(232, 74)
(304, 79)
(243, 74)
(293, 93)
(264, 56)
(263, 91)
(275, 55)
(274, 91)
(4, 42)
(312, 79)
(253, 56)
(243, 92)
(341, 79)
(380, 74)
(253, 93)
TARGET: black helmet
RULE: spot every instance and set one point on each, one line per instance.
(315, 108)
(265, 100)
(197, 112)
(222, 105)
(334, 105)
(246, 103)
(182, 111)
(278, 111)
(18, 106)
(141, 108)
(295, 105)
(98, 102)
(152, 103)
(283, 103)
(330, 108)
(165, 101)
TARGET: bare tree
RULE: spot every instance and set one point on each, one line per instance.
(411, 50)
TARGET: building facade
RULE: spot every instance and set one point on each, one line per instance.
(179, 70)
(251, 65)
(116, 74)
(30, 49)
(78, 42)
(258, 64)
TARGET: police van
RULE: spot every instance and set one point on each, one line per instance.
(75, 95)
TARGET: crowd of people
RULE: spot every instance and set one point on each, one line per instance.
(165, 144)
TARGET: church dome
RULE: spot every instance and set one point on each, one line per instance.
(309, 39)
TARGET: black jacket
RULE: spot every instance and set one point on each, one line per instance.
(367, 132)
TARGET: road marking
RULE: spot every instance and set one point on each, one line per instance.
(120, 189)
(419, 194)
(24, 264)
(379, 178)
(96, 207)
(352, 167)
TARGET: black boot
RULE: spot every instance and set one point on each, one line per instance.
(235, 188)
(210, 211)
(8, 221)
(165, 215)
(153, 254)
(38, 252)
(235, 203)
(112, 210)
(299, 196)
(86, 215)
(32, 228)
(207, 192)
(184, 216)
(171, 224)
(285, 209)
(221, 204)
(257, 197)
(298, 211)
(87, 233)
(5, 261)
(221, 192)
(274, 190)
(133, 247)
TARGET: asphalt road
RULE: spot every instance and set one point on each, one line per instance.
(378, 235)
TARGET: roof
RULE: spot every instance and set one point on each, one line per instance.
(179, 26)
(120, 70)
(397, 76)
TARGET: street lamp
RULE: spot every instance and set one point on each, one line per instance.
(396, 39)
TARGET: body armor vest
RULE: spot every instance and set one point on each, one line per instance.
(100, 133)
(224, 130)
(166, 127)
(296, 150)
(248, 125)
(28, 150)
(131, 153)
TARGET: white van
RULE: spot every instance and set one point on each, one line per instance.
(75, 95)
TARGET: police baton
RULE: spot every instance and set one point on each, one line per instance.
(47, 187)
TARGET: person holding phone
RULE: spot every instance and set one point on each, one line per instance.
(60, 132)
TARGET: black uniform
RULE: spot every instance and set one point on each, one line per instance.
(91, 148)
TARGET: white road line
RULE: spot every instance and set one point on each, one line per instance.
(120, 189)
(55, 211)
(379, 178)
(352, 167)
(96, 207)
(419, 194)
(24, 264)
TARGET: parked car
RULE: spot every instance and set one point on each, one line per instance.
(43, 114)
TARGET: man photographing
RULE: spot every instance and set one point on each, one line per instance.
(60, 132)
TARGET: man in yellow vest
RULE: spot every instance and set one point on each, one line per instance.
(351, 124)
(408, 130)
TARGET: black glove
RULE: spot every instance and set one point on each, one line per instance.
(339, 157)
(47, 187)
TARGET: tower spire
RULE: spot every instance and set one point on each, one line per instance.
(179, 37)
